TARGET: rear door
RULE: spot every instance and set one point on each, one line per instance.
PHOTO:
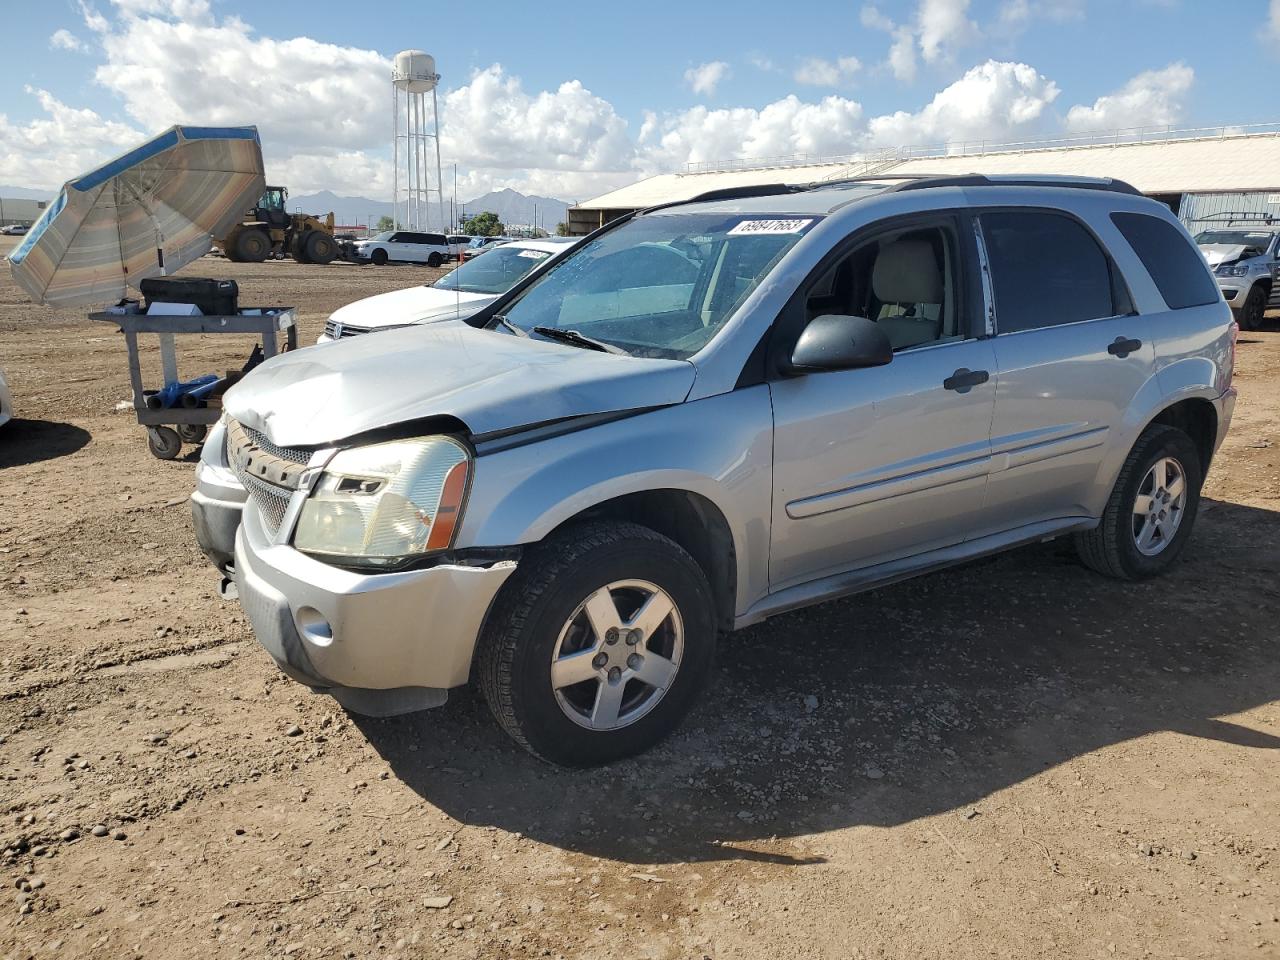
(1072, 354)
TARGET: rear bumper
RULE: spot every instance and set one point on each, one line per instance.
(1226, 406)
(380, 643)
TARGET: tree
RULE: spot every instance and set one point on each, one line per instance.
(484, 224)
(562, 229)
(385, 224)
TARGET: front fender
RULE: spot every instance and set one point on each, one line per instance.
(719, 448)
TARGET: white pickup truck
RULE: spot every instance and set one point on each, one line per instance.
(1243, 257)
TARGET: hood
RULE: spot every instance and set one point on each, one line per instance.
(1217, 253)
(488, 379)
(420, 304)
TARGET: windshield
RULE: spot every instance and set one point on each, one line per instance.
(660, 285)
(1235, 238)
(495, 272)
(478, 241)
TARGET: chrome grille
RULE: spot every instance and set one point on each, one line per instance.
(292, 454)
(272, 501)
(338, 331)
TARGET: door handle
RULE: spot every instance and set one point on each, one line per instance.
(1121, 347)
(964, 379)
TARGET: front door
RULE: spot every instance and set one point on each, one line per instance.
(876, 464)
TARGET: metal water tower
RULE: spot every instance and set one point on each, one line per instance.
(415, 136)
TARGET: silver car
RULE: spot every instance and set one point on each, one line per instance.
(714, 412)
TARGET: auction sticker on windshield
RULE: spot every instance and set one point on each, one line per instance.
(534, 254)
(758, 227)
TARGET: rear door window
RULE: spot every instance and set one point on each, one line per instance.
(1046, 270)
(1176, 266)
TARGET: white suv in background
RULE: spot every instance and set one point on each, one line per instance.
(404, 246)
(457, 295)
(1243, 256)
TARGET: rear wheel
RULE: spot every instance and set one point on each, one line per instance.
(1251, 314)
(434, 260)
(1152, 508)
(320, 247)
(192, 432)
(598, 644)
(378, 258)
(252, 246)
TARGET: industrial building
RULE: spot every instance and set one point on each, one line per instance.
(1199, 173)
(19, 210)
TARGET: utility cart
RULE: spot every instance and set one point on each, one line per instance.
(169, 426)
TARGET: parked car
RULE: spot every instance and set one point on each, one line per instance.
(479, 245)
(14, 229)
(6, 401)
(1243, 257)
(457, 243)
(456, 295)
(715, 412)
(403, 246)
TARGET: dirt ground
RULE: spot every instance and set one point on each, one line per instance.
(1015, 758)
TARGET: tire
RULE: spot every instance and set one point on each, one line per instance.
(378, 258)
(1250, 315)
(163, 442)
(320, 247)
(434, 260)
(252, 246)
(542, 612)
(192, 433)
(1115, 547)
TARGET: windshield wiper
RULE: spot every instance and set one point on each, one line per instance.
(501, 318)
(576, 339)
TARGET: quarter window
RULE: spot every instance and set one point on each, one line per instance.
(1176, 266)
(1046, 270)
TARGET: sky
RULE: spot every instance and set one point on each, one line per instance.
(570, 99)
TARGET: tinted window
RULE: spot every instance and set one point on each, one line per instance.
(1174, 264)
(1046, 270)
(434, 238)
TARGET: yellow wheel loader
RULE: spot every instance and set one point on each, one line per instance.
(270, 230)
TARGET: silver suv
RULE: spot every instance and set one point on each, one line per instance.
(714, 412)
(1243, 254)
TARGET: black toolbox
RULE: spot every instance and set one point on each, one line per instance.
(215, 298)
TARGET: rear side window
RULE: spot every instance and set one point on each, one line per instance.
(1046, 270)
(1175, 265)
(436, 239)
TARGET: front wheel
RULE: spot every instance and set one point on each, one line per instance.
(598, 644)
(1251, 314)
(1152, 508)
(378, 258)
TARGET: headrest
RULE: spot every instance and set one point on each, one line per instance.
(906, 271)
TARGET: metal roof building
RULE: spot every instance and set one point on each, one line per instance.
(1197, 172)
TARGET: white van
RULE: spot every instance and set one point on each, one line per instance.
(404, 246)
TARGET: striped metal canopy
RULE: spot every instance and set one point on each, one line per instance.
(145, 213)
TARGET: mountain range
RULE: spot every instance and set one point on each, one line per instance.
(511, 206)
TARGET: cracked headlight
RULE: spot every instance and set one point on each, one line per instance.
(1232, 270)
(386, 504)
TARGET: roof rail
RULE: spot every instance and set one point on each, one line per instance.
(732, 193)
(920, 181)
(1238, 216)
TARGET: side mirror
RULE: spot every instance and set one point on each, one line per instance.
(837, 342)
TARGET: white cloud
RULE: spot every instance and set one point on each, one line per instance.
(62, 143)
(995, 100)
(1153, 98)
(784, 128)
(705, 77)
(66, 40)
(1015, 16)
(873, 19)
(567, 136)
(1273, 20)
(818, 72)
(943, 25)
(902, 55)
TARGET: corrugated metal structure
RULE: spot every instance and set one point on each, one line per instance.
(1197, 171)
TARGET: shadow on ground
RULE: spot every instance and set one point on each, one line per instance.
(906, 702)
(33, 441)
